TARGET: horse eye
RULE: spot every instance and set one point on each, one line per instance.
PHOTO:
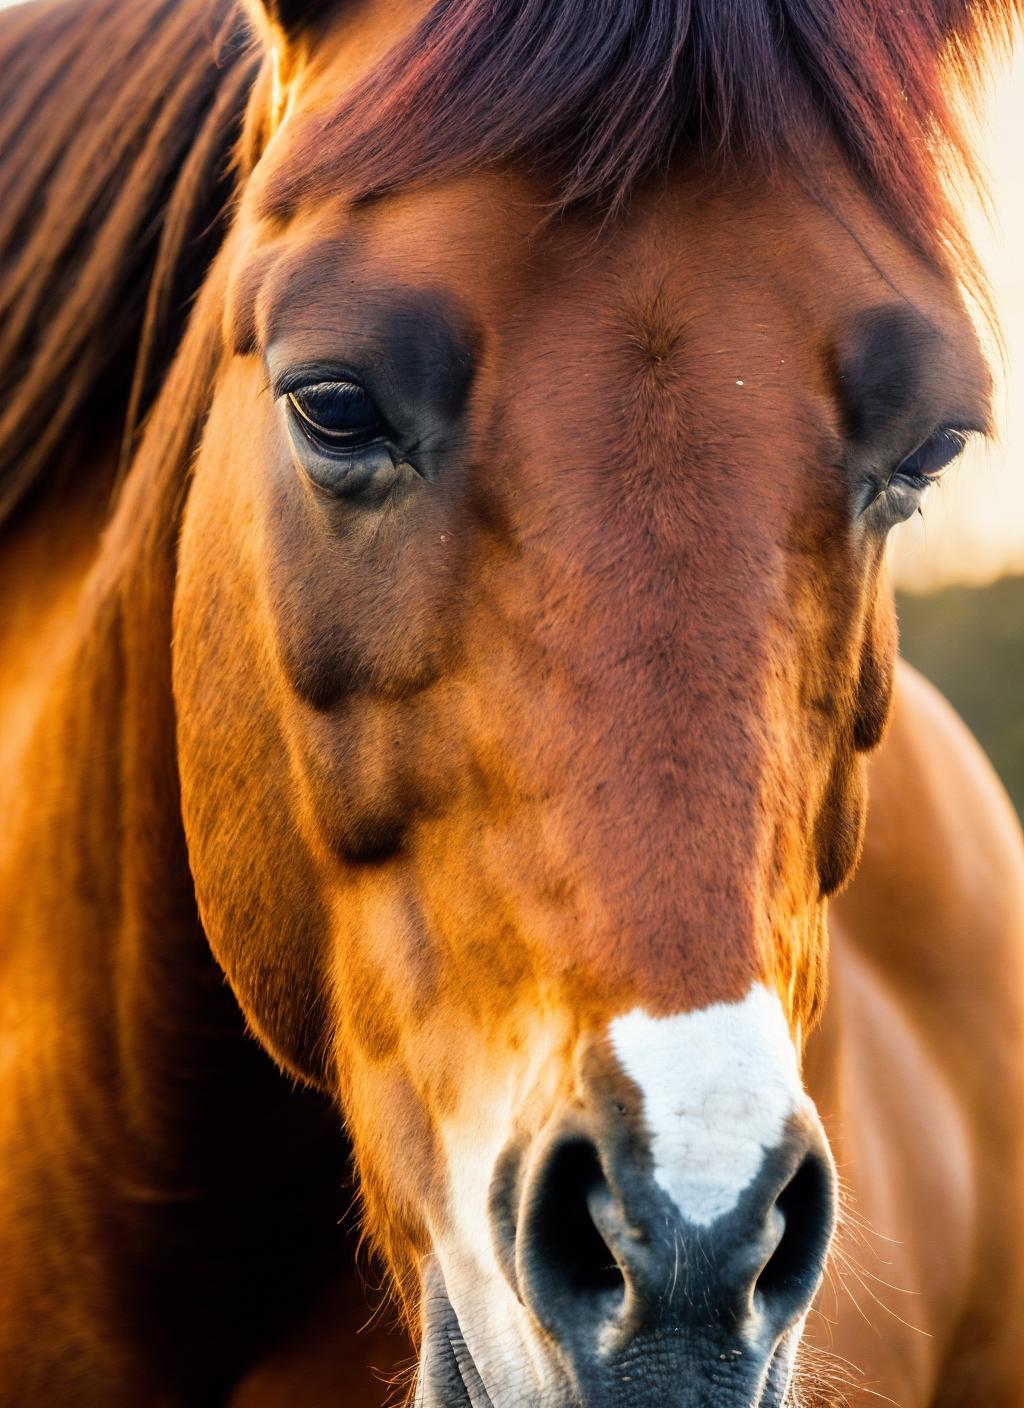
(337, 415)
(936, 454)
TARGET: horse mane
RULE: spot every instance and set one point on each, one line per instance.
(603, 92)
(117, 123)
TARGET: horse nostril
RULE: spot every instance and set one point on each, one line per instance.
(601, 1260)
(566, 1268)
(791, 1274)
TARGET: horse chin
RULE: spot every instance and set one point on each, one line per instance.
(450, 1376)
(665, 1370)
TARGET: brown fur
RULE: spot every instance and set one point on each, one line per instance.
(580, 724)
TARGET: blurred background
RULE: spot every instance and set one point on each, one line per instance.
(960, 567)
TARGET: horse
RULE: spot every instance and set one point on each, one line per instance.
(446, 463)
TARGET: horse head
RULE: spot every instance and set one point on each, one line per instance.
(531, 628)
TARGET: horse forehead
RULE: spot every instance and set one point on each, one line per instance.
(486, 233)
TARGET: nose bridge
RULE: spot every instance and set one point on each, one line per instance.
(634, 628)
(652, 877)
(641, 727)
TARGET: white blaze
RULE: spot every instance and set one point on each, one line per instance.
(719, 1086)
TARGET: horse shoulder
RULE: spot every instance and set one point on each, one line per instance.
(919, 1067)
(937, 905)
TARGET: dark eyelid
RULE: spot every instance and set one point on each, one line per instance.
(316, 374)
(968, 430)
(963, 432)
(308, 416)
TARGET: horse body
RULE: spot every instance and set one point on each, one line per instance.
(457, 786)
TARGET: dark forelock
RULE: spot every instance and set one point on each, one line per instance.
(601, 92)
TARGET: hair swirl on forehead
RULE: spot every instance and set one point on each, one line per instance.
(600, 92)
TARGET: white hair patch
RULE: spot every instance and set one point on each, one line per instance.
(719, 1086)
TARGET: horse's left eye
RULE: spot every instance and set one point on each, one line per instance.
(936, 454)
(338, 416)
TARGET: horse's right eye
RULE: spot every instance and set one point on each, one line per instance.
(338, 416)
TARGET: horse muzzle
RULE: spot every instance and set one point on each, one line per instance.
(650, 1233)
(620, 1301)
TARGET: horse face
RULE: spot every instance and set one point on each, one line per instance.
(529, 636)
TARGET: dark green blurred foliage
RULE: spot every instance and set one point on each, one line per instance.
(970, 642)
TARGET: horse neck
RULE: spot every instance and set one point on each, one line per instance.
(101, 920)
(146, 1128)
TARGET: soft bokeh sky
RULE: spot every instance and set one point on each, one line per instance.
(973, 526)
